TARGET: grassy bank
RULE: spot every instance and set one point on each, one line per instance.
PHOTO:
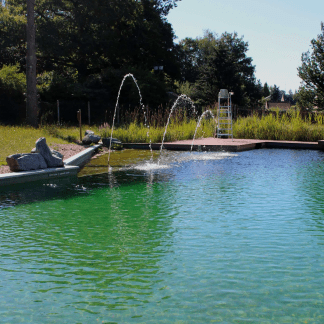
(291, 126)
(135, 133)
(288, 127)
(21, 139)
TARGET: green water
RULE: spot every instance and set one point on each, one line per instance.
(234, 238)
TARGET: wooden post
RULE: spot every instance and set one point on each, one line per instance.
(58, 111)
(89, 112)
(31, 102)
(79, 119)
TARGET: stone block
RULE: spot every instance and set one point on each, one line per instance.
(26, 162)
(89, 132)
(91, 139)
(115, 143)
(51, 160)
(55, 153)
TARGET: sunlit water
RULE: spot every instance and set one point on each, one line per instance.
(211, 237)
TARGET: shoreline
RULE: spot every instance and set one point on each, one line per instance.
(68, 150)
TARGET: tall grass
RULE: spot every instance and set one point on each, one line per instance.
(289, 127)
(176, 131)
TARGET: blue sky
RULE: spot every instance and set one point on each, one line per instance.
(278, 32)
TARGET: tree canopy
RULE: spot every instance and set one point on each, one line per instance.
(312, 73)
(217, 62)
(78, 41)
(91, 35)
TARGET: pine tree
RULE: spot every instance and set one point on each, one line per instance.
(312, 72)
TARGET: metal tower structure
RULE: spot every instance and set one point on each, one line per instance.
(224, 114)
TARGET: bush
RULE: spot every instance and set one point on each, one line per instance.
(12, 89)
(12, 82)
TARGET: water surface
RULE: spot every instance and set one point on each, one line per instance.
(210, 237)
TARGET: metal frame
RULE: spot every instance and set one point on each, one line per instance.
(224, 114)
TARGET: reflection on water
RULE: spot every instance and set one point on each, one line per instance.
(213, 237)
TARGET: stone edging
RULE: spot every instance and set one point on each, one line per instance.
(71, 168)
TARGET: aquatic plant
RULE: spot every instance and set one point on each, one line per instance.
(290, 126)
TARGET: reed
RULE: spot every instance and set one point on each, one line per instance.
(176, 131)
(290, 126)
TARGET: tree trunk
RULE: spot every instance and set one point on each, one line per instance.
(31, 109)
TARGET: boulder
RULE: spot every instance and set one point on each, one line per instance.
(115, 143)
(55, 153)
(86, 140)
(89, 132)
(26, 162)
(51, 160)
(89, 139)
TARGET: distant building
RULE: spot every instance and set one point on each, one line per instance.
(282, 105)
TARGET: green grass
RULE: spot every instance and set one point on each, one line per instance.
(135, 133)
(288, 127)
(21, 139)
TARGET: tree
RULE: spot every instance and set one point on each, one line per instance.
(164, 6)
(80, 39)
(90, 35)
(13, 36)
(275, 93)
(265, 90)
(312, 72)
(188, 56)
(31, 102)
(305, 98)
(221, 63)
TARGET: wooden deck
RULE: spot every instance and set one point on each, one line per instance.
(229, 145)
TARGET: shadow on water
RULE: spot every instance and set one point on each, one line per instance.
(72, 187)
(93, 176)
(98, 251)
(130, 167)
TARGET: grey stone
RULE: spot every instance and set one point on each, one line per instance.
(51, 160)
(95, 138)
(86, 140)
(26, 162)
(55, 153)
(89, 139)
(115, 143)
(89, 132)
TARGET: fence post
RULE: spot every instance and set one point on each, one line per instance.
(89, 112)
(58, 111)
(79, 119)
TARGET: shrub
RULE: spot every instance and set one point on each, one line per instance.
(12, 82)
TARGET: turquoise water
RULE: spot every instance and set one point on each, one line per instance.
(211, 237)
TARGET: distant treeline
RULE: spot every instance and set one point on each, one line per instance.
(84, 48)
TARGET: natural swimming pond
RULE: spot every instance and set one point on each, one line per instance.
(211, 237)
